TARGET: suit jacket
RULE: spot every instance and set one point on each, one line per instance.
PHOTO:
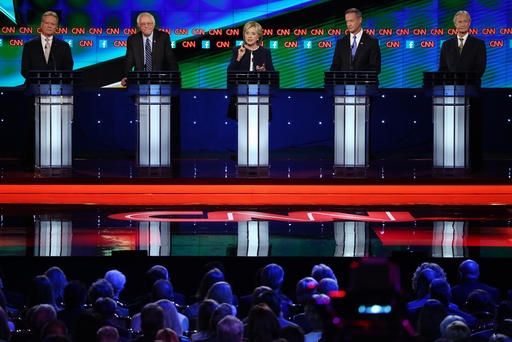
(33, 56)
(262, 56)
(367, 57)
(472, 59)
(162, 56)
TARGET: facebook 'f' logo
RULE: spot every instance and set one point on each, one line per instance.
(308, 44)
(70, 42)
(409, 44)
(273, 44)
(206, 44)
(173, 44)
(103, 44)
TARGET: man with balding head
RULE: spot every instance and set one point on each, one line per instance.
(149, 49)
(469, 273)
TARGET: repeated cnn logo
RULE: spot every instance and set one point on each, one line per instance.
(244, 216)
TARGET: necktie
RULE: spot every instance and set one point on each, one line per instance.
(354, 47)
(461, 45)
(46, 50)
(147, 52)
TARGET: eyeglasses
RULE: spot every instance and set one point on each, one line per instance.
(146, 24)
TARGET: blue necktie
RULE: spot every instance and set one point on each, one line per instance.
(354, 47)
(147, 53)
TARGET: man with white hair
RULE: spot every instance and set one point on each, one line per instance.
(149, 49)
(464, 52)
(117, 280)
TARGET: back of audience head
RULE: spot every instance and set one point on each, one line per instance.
(117, 280)
(313, 309)
(209, 278)
(151, 320)
(100, 288)
(230, 329)
(106, 307)
(3, 300)
(108, 333)
(220, 292)
(423, 283)
(162, 289)
(206, 309)
(439, 273)
(458, 331)
(480, 301)
(155, 273)
(322, 271)
(262, 324)
(167, 335)
(272, 276)
(56, 338)
(447, 320)
(327, 285)
(75, 295)
(219, 313)
(430, 317)
(41, 291)
(440, 290)
(305, 289)
(469, 271)
(58, 280)
(292, 333)
(271, 299)
(5, 332)
(39, 316)
(54, 328)
(171, 319)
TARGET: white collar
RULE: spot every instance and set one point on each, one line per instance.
(43, 38)
(464, 39)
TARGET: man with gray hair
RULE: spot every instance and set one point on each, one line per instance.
(117, 280)
(149, 49)
(464, 52)
(230, 329)
(46, 52)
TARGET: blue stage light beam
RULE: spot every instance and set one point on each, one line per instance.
(7, 8)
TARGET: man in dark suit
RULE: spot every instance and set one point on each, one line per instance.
(357, 51)
(463, 53)
(46, 52)
(148, 49)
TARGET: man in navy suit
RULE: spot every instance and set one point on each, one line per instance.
(46, 52)
(149, 49)
(463, 53)
(357, 51)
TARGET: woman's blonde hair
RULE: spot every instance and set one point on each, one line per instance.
(257, 26)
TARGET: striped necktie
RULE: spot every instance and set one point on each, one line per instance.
(147, 53)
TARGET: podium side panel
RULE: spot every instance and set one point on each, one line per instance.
(438, 118)
(45, 135)
(360, 134)
(56, 134)
(460, 133)
(263, 132)
(143, 133)
(37, 127)
(165, 133)
(67, 132)
(154, 134)
(449, 136)
(339, 130)
(253, 134)
(242, 112)
(350, 134)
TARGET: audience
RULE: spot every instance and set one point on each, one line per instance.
(108, 333)
(262, 324)
(230, 329)
(468, 274)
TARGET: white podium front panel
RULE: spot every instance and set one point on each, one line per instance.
(53, 237)
(253, 116)
(53, 131)
(351, 146)
(154, 131)
(451, 128)
(253, 238)
(448, 239)
(351, 239)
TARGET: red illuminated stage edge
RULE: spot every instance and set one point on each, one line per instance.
(255, 194)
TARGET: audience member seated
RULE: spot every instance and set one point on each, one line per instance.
(152, 320)
(422, 291)
(38, 316)
(167, 335)
(447, 320)
(262, 324)
(322, 271)
(480, 305)
(305, 289)
(54, 328)
(221, 293)
(246, 302)
(209, 278)
(273, 301)
(75, 295)
(469, 272)
(439, 273)
(272, 276)
(230, 329)
(327, 285)
(58, 280)
(5, 331)
(108, 333)
(3, 305)
(218, 314)
(117, 280)
(429, 320)
(99, 289)
(41, 292)
(292, 333)
(314, 317)
(56, 338)
(458, 332)
(206, 309)
(106, 308)
(440, 290)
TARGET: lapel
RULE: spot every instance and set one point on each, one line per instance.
(154, 48)
(467, 46)
(52, 50)
(347, 47)
(140, 43)
(39, 50)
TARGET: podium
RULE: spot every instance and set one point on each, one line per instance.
(153, 91)
(451, 93)
(53, 102)
(351, 91)
(253, 90)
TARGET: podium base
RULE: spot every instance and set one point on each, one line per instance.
(157, 172)
(350, 172)
(253, 171)
(53, 171)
